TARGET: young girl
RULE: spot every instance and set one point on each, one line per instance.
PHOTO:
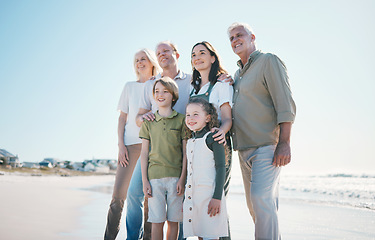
(204, 207)
(163, 161)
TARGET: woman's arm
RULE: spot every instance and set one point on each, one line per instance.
(144, 167)
(123, 158)
(226, 123)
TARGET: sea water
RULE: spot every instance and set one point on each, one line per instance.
(355, 190)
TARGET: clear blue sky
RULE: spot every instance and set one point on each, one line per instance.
(63, 65)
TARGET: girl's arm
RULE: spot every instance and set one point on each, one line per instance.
(219, 157)
(123, 157)
(226, 123)
(181, 182)
(144, 167)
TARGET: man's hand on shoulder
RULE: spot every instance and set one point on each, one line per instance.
(218, 135)
(150, 116)
(225, 77)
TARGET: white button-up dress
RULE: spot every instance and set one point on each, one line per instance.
(200, 186)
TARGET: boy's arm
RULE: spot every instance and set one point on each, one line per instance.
(181, 182)
(144, 167)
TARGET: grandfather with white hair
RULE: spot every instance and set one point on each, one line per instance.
(263, 112)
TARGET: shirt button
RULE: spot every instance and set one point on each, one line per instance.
(189, 186)
(236, 90)
(189, 220)
(191, 151)
(190, 208)
(189, 197)
(164, 128)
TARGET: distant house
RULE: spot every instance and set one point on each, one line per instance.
(95, 167)
(45, 164)
(111, 163)
(30, 165)
(78, 166)
(53, 161)
(6, 158)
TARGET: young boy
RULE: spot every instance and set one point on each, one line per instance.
(163, 161)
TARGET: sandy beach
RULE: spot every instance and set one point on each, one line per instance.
(54, 207)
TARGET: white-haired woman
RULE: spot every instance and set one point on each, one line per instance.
(129, 144)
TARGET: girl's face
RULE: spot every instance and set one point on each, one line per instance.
(201, 58)
(162, 96)
(196, 118)
(142, 63)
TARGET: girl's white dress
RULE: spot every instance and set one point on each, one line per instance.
(199, 190)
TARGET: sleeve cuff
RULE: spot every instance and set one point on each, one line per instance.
(285, 117)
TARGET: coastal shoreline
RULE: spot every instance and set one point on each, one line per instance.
(75, 208)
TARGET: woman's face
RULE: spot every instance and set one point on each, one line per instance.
(142, 63)
(201, 58)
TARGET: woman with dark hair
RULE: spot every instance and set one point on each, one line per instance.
(206, 71)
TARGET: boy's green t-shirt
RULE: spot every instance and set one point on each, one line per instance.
(165, 135)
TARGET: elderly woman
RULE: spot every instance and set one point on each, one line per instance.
(129, 144)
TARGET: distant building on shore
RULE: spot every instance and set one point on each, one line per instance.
(6, 158)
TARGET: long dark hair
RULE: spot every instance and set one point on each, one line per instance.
(216, 68)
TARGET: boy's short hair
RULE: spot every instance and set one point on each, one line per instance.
(170, 85)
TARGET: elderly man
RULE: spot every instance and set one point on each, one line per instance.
(263, 113)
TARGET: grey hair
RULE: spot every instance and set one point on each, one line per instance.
(173, 46)
(152, 57)
(246, 26)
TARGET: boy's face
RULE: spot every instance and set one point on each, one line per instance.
(162, 96)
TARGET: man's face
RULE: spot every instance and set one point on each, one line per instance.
(240, 40)
(165, 55)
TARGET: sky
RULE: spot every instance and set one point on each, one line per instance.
(63, 65)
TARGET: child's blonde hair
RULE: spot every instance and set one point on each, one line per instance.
(170, 85)
(209, 109)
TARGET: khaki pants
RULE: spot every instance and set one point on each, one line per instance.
(120, 189)
(261, 183)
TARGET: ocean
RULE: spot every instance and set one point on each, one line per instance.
(331, 189)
